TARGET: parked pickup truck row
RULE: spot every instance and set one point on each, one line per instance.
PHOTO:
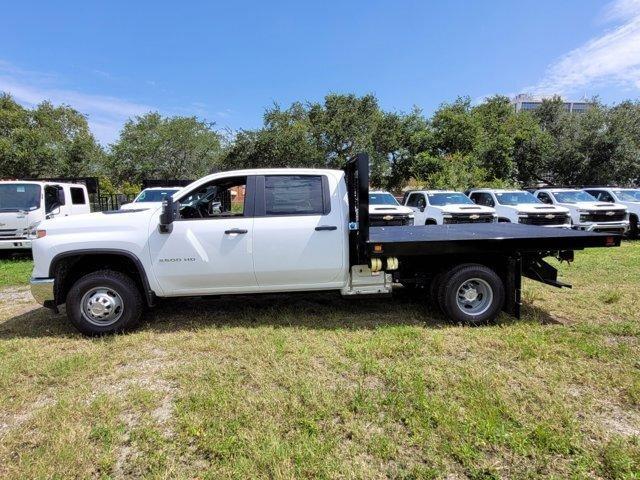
(289, 230)
(599, 210)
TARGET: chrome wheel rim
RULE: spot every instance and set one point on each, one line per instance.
(474, 296)
(102, 306)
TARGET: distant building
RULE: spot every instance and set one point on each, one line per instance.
(526, 102)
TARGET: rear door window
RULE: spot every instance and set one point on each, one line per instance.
(77, 196)
(294, 195)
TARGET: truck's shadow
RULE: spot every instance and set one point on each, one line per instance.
(309, 310)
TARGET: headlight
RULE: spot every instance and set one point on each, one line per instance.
(447, 215)
(411, 215)
(31, 231)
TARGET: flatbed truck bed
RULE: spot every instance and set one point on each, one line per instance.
(432, 258)
(484, 238)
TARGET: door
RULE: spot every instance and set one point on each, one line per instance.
(418, 204)
(210, 246)
(299, 233)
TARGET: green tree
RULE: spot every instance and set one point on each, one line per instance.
(454, 128)
(46, 141)
(153, 146)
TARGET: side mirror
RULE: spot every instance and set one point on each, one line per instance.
(54, 211)
(168, 215)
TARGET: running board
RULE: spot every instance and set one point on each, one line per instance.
(537, 269)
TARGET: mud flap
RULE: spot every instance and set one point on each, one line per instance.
(512, 286)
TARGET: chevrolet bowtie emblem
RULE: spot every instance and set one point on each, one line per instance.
(387, 217)
(609, 213)
(550, 216)
(474, 217)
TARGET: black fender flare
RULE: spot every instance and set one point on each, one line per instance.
(148, 293)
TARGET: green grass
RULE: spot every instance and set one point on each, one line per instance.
(14, 272)
(315, 386)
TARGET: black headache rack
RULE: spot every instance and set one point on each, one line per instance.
(521, 248)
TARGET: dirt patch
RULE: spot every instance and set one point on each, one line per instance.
(9, 422)
(16, 301)
(618, 421)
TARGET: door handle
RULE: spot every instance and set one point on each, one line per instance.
(235, 230)
(326, 227)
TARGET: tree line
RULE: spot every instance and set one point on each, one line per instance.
(459, 146)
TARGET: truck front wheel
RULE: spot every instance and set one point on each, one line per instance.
(471, 293)
(104, 302)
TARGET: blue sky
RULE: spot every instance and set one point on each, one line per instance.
(227, 61)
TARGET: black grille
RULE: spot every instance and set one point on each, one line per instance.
(604, 216)
(469, 218)
(544, 219)
(395, 221)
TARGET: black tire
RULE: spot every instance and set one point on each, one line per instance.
(453, 280)
(633, 227)
(113, 283)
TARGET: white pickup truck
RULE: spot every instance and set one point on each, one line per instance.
(385, 211)
(518, 206)
(288, 230)
(587, 213)
(629, 197)
(150, 198)
(24, 204)
(445, 207)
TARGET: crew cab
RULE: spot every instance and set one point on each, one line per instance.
(440, 207)
(24, 204)
(150, 197)
(284, 230)
(587, 213)
(384, 210)
(629, 197)
(519, 206)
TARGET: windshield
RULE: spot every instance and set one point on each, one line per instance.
(514, 198)
(19, 196)
(573, 197)
(154, 195)
(628, 195)
(441, 199)
(382, 199)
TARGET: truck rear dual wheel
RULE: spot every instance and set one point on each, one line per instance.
(104, 302)
(471, 293)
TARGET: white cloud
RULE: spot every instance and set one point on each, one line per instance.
(612, 58)
(105, 114)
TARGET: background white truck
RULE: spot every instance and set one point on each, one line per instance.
(24, 204)
(384, 210)
(440, 207)
(629, 197)
(289, 230)
(519, 206)
(150, 197)
(587, 213)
